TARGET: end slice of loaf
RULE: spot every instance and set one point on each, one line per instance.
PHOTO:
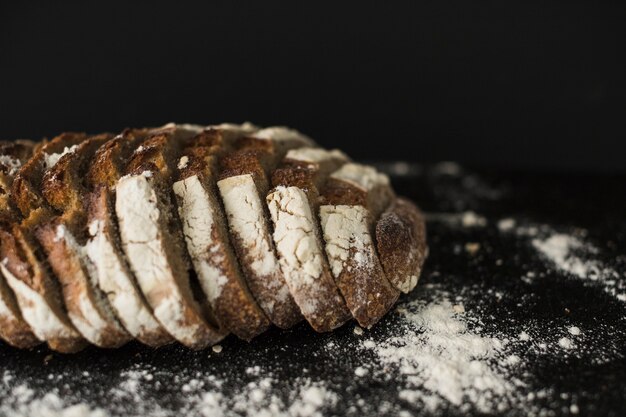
(293, 204)
(243, 184)
(354, 196)
(109, 265)
(151, 236)
(63, 239)
(401, 241)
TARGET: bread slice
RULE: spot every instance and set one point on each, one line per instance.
(293, 205)
(243, 184)
(110, 270)
(152, 239)
(13, 329)
(63, 239)
(347, 224)
(401, 242)
(206, 232)
(37, 291)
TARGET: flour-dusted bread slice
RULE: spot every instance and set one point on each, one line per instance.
(206, 232)
(347, 224)
(13, 329)
(243, 186)
(37, 290)
(401, 242)
(63, 239)
(109, 266)
(293, 205)
(152, 239)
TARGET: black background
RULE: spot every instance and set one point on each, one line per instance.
(507, 84)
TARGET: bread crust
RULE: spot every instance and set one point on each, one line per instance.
(401, 242)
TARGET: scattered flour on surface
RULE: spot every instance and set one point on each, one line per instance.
(22, 401)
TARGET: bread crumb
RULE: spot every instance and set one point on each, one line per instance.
(217, 348)
(472, 248)
(358, 330)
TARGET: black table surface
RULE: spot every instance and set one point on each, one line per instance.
(476, 260)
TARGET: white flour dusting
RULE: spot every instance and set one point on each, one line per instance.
(571, 255)
(21, 401)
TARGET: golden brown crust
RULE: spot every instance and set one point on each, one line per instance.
(401, 241)
(62, 184)
(26, 187)
(110, 159)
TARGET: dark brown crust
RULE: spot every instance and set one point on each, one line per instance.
(337, 192)
(401, 241)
